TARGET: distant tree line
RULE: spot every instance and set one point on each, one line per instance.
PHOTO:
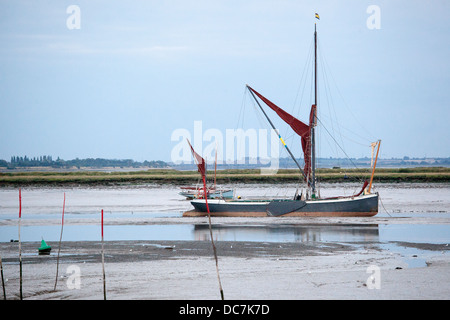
(47, 161)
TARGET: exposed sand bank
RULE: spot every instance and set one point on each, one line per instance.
(157, 269)
(248, 270)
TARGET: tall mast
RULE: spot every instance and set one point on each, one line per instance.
(313, 136)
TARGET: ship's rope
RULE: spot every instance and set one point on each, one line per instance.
(381, 202)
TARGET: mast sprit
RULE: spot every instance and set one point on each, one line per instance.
(374, 165)
(276, 131)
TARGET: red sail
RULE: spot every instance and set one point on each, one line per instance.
(201, 164)
(299, 127)
(302, 129)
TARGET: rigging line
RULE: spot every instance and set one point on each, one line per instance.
(303, 81)
(240, 121)
(379, 199)
(338, 130)
(356, 142)
(302, 84)
(336, 142)
(345, 103)
(312, 89)
(365, 143)
(279, 136)
(321, 111)
(326, 72)
(242, 110)
(329, 96)
(258, 118)
(353, 133)
(263, 123)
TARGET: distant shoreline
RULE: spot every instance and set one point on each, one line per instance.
(175, 177)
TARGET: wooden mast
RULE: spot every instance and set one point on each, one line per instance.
(374, 165)
(313, 137)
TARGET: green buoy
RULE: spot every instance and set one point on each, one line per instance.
(45, 248)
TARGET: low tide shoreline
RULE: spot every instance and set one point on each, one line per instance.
(267, 258)
(185, 270)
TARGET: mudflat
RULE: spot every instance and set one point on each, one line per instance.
(179, 270)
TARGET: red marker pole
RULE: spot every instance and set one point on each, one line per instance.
(102, 224)
(20, 203)
(20, 246)
(103, 264)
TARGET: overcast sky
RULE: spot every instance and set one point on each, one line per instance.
(118, 79)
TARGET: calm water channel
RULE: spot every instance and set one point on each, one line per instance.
(41, 205)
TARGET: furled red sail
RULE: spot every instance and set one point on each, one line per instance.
(201, 164)
(302, 129)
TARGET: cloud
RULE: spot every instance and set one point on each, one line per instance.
(50, 45)
(86, 49)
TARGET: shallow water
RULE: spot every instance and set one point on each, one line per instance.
(385, 237)
(149, 201)
(421, 233)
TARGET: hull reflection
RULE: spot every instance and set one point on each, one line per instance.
(295, 233)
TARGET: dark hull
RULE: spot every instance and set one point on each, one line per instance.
(363, 206)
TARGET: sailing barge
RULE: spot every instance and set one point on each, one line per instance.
(363, 204)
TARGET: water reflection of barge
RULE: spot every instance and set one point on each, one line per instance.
(289, 232)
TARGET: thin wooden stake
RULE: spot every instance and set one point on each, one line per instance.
(60, 238)
(3, 281)
(201, 163)
(212, 239)
(103, 265)
(20, 247)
